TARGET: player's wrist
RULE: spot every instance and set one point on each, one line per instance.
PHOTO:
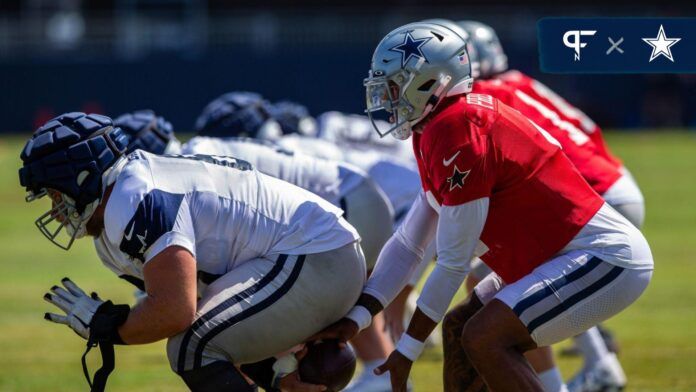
(370, 303)
(361, 316)
(410, 347)
(282, 367)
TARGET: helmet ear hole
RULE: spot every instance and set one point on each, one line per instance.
(427, 85)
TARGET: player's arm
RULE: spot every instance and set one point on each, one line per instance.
(395, 265)
(463, 175)
(458, 232)
(400, 256)
(170, 304)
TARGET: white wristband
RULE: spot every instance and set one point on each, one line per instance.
(361, 316)
(282, 367)
(409, 347)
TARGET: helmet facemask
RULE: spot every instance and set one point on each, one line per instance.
(384, 94)
(62, 215)
(413, 68)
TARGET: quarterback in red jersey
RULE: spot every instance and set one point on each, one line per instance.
(587, 149)
(495, 185)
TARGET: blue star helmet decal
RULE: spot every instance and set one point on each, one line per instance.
(410, 48)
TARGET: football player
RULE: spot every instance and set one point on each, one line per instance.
(582, 141)
(498, 186)
(268, 253)
(249, 132)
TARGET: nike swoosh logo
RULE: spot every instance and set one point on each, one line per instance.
(130, 234)
(447, 162)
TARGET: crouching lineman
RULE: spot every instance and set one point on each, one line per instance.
(280, 261)
(497, 186)
(229, 129)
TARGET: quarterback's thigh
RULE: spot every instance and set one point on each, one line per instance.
(571, 293)
(369, 211)
(265, 307)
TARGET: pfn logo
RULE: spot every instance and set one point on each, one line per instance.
(576, 43)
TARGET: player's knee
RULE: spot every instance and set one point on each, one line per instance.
(452, 325)
(478, 338)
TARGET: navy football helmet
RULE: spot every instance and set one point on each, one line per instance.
(293, 118)
(70, 158)
(237, 114)
(148, 132)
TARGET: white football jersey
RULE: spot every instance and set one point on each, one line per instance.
(219, 208)
(389, 162)
(311, 146)
(328, 179)
(399, 180)
(358, 131)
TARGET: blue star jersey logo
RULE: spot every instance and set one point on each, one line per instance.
(410, 48)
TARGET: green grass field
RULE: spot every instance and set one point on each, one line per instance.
(658, 333)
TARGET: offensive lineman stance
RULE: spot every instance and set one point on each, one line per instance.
(499, 187)
(274, 254)
(364, 203)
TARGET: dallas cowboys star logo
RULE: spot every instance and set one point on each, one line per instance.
(661, 45)
(411, 47)
(457, 179)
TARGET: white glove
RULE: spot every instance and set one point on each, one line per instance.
(77, 305)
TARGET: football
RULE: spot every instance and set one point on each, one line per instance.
(328, 363)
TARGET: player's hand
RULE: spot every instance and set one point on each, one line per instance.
(292, 383)
(79, 307)
(399, 367)
(342, 330)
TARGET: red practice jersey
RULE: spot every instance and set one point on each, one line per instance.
(479, 147)
(597, 170)
(565, 110)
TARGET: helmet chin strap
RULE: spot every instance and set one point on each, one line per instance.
(78, 225)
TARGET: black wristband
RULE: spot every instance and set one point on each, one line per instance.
(261, 372)
(104, 324)
(370, 303)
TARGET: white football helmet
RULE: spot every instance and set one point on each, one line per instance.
(413, 68)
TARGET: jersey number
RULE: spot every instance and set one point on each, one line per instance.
(546, 135)
(481, 100)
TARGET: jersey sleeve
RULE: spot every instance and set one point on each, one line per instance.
(161, 220)
(458, 232)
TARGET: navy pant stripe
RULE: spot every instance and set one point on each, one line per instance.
(555, 285)
(344, 206)
(263, 282)
(265, 303)
(575, 298)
